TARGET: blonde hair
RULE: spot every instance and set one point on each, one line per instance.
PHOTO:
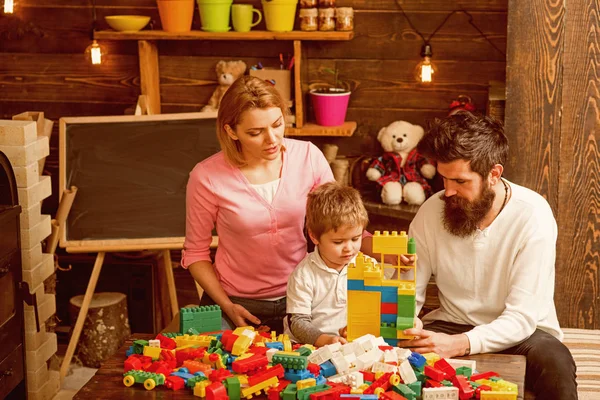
(331, 206)
(246, 93)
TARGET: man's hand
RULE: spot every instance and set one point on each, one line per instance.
(329, 339)
(446, 346)
(240, 316)
(407, 259)
(344, 332)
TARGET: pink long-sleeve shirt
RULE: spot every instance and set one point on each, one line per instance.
(260, 244)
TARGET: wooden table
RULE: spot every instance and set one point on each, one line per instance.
(108, 381)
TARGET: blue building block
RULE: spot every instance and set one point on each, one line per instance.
(417, 360)
(328, 369)
(356, 284)
(389, 318)
(388, 294)
(391, 342)
(321, 380)
(274, 345)
(295, 375)
(129, 351)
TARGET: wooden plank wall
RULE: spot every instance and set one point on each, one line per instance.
(552, 116)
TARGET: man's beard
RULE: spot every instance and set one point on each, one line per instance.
(462, 217)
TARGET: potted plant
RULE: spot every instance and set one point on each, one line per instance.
(330, 101)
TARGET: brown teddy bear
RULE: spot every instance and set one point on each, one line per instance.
(227, 73)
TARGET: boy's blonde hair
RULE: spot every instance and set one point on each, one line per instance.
(246, 93)
(331, 206)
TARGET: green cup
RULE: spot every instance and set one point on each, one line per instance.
(242, 16)
(214, 15)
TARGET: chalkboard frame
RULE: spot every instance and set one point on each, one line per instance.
(108, 245)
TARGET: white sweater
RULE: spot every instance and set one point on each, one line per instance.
(500, 280)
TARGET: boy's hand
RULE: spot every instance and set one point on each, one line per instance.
(344, 332)
(240, 316)
(329, 339)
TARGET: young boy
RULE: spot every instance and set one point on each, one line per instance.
(317, 289)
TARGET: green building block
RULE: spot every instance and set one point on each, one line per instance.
(290, 362)
(171, 335)
(411, 247)
(405, 391)
(192, 381)
(465, 371)
(304, 351)
(138, 346)
(387, 330)
(233, 388)
(289, 393)
(304, 394)
(141, 376)
(495, 378)
(416, 387)
(420, 376)
(446, 382)
(202, 319)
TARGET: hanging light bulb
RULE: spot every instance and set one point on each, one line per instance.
(425, 69)
(9, 6)
(95, 53)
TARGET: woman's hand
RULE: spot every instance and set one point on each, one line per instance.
(329, 339)
(344, 332)
(240, 316)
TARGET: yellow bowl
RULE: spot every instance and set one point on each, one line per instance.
(123, 23)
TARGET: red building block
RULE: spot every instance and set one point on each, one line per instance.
(277, 371)
(432, 384)
(174, 382)
(383, 382)
(314, 369)
(216, 391)
(389, 308)
(259, 350)
(160, 367)
(391, 396)
(445, 367)
(168, 357)
(368, 376)
(483, 375)
(465, 390)
(480, 389)
(434, 374)
(219, 375)
(165, 342)
(335, 393)
(256, 362)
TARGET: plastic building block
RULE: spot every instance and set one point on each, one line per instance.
(290, 361)
(434, 374)
(442, 365)
(216, 391)
(233, 388)
(220, 375)
(159, 367)
(253, 363)
(296, 375)
(487, 395)
(250, 391)
(465, 391)
(153, 352)
(136, 361)
(202, 319)
(417, 360)
(440, 393)
(405, 391)
(389, 308)
(200, 388)
(304, 394)
(327, 369)
(391, 396)
(483, 375)
(149, 379)
(304, 383)
(383, 382)
(241, 345)
(191, 382)
(275, 371)
(274, 393)
(356, 284)
(464, 371)
(174, 382)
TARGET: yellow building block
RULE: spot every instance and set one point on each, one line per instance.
(287, 353)
(287, 345)
(200, 388)
(431, 358)
(249, 392)
(153, 352)
(390, 243)
(304, 383)
(240, 329)
(241, 345)
(491, 395)
(364, 313)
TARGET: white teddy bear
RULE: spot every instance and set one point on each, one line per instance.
(401, 171)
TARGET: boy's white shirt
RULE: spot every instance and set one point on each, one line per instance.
(319, 291)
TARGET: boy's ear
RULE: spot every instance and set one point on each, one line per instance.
(312, 238)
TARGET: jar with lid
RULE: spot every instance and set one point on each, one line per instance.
(308, 3)
(326, 19)
(344, 19)
(308, 19)
(326, 3)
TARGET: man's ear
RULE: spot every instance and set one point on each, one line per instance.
(496, 174)
(230, 132)
(312, 238)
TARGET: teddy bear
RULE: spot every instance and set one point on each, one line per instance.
(401, 172)
(227, 73)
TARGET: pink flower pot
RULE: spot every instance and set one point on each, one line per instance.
(330, 108)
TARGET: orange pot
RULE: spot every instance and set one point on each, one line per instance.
(176, 15)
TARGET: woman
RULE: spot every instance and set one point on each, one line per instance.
(255, 192)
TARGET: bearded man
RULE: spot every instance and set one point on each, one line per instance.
(490, 245)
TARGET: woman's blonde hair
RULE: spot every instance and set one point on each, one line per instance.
(332, 206)
(246, 93)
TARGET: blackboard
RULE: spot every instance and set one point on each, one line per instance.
(131, 174)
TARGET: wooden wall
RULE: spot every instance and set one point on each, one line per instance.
(553, 123)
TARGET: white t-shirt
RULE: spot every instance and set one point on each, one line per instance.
(267, 190)
(500, 280)
(319, 291)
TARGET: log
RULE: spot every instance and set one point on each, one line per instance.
(105, 329)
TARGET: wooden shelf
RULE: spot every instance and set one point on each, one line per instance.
(401, 211)
(347, 129)
(201, 35)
